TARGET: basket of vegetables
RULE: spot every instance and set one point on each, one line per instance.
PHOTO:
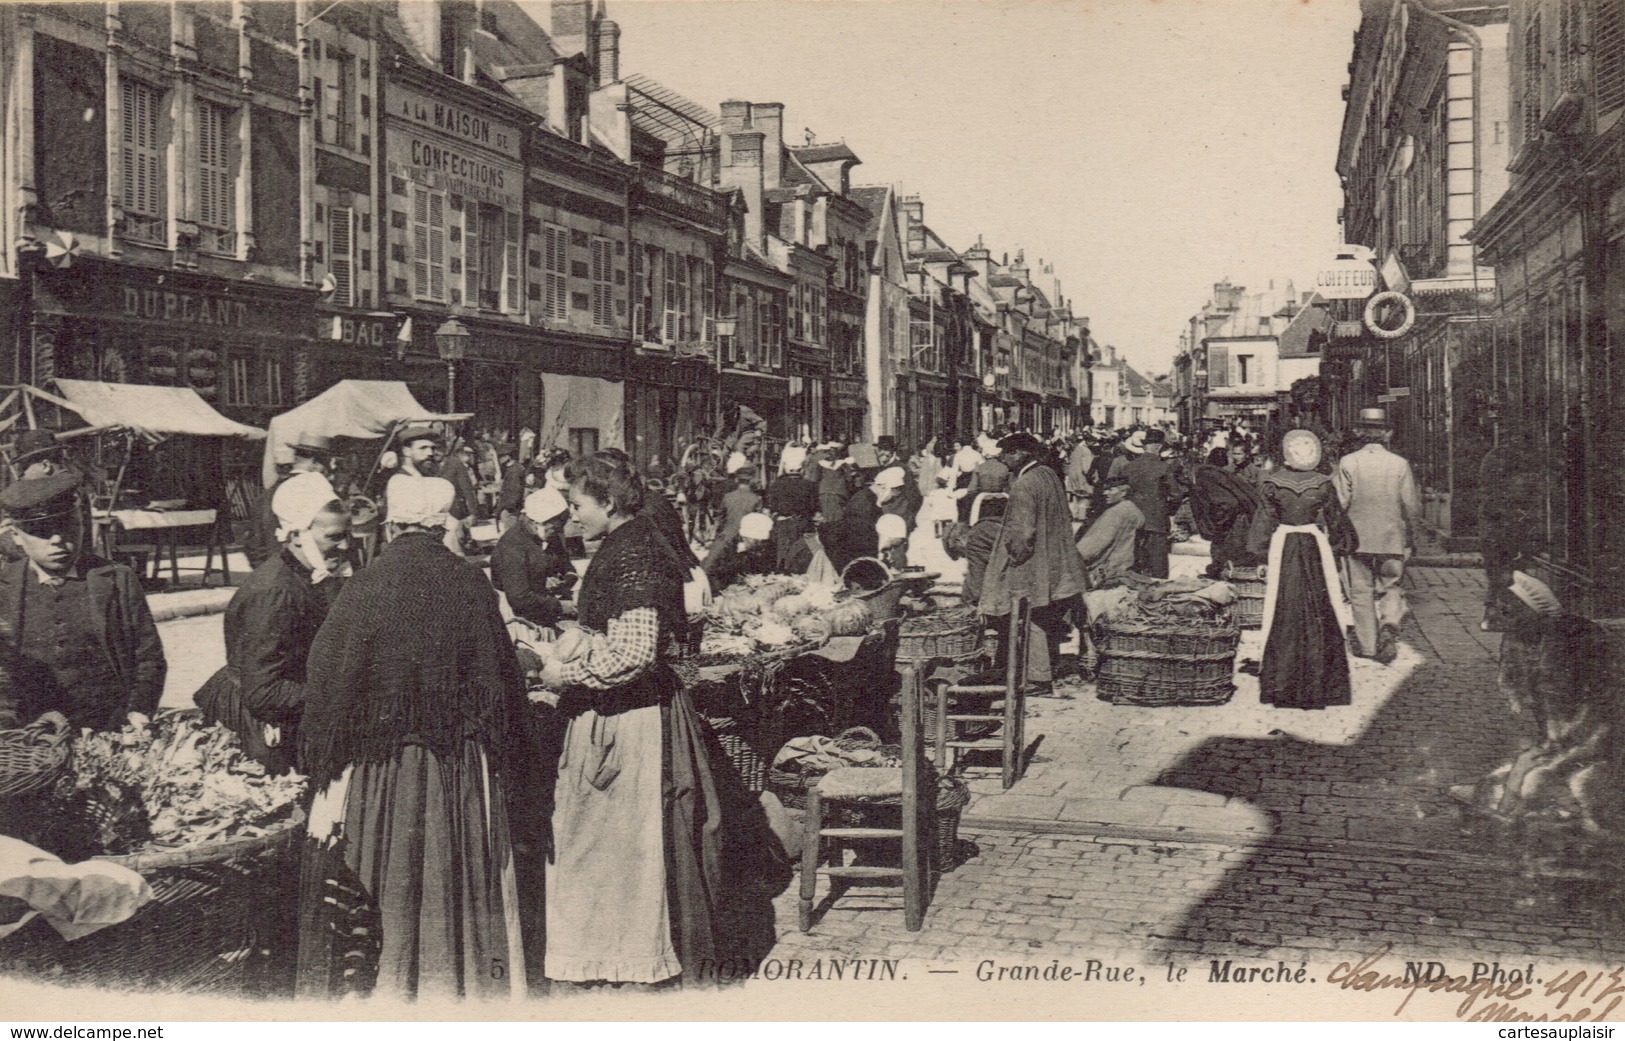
(214, 835)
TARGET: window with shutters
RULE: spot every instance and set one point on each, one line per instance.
(489, 254)
(1608, 53)
(273, 382)
(237, 381)
(1570, 15)
(513, 269)
(344, 100)
(216, 192)
(671, 326)
(428, 244)
(640, 298)
(773, 333)
(603, 281)
(341, 254)
(556, 272)
(1218, 365)
(1530, 93)
(708, 303)
(143, 163)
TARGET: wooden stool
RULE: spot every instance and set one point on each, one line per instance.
(1002, 703)
(884, 786)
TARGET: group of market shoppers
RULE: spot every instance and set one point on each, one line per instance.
(463, 841)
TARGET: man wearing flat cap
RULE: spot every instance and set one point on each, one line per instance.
(78, 630)
(37, 453)
(1378, 491)
(312, 453)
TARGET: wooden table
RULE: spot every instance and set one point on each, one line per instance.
(165, 528)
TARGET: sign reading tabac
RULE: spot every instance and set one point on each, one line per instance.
(453, 120)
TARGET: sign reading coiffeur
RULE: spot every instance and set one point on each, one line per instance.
(1346, 278)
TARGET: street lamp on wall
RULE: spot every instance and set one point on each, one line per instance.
(451, 343)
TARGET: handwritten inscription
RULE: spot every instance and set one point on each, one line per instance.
(1490, 992)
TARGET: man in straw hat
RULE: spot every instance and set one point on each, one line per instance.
(82, 640)
(312, 453)
(273, 618)
(1378, 492)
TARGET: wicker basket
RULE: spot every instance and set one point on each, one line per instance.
(742, 754)
(963, 641)
(1188, 662)
(1249, 596)
(223, 920)
(33, 757)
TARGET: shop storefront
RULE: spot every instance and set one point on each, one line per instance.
(669, 403)
(844, 409)
(764, 394)
(244, 347)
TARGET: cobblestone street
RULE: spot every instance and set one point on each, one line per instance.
(1249, 832)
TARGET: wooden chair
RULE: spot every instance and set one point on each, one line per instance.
(870, 786)
(1002, 703)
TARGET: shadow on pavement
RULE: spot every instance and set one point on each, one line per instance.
(1367, 845)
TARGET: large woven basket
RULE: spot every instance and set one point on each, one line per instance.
(1249, 596)
(223, 920)
(1186, 662)
(964, 640)
(33, 757)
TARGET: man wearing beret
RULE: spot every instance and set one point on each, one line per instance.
(81, 637)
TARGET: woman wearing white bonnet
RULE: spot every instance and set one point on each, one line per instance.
(272, 619)
(891, 532)
(940, 509)
(415, 503)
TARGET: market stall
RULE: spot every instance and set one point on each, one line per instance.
(362, 417)
(190, 848)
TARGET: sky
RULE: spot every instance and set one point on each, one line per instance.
(1147, 148)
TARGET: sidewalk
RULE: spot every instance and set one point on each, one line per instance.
(1376, 771)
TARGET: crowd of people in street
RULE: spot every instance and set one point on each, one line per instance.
(460, 835)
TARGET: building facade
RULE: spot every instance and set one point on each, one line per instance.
(1423, 156)
(1556, 238)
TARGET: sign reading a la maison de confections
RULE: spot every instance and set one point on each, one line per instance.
(447, 146)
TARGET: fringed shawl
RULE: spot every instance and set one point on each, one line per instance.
(635, 567)
(414, 651)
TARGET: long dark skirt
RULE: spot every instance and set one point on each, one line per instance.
(1305, 664)
(418, 896)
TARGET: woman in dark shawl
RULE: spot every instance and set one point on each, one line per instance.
(1223, 504)
(633, 890)
(414, 704)
(1305, 664)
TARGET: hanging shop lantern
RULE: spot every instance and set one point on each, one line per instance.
(1377, 317)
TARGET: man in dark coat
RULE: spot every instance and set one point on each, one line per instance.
(312, 453)
(1035, 557)
(529, 565)
(77, 627)
(1156, 492)
(272, 619)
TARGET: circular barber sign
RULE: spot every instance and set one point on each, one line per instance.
(1390, 315)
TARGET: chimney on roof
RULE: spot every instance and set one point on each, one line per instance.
(609, 53)
(768, 117)
(979, 258)
(735, 116)
(572, 25)
(913, 209)
(1020, 270)
(742, 169)
(422, 24)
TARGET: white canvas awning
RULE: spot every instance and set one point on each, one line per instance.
(361, 409)
(154, 412)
